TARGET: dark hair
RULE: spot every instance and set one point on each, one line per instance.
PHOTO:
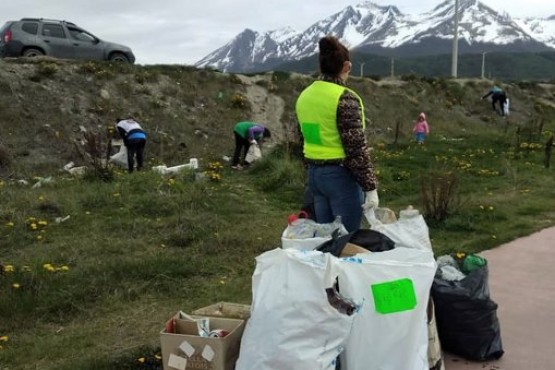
(119, 119)
(333, 54)
(266, 133)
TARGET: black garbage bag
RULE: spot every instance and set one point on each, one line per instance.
(371, 240)
(466, 317)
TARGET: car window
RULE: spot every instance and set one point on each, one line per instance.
(53, 30)
(81, 35)
(31, 28)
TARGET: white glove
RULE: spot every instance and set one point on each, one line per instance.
(370, 200)
(254, 142)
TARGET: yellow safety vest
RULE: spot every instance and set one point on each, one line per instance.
(317, 114)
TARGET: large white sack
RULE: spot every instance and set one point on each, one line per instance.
(292, 325)
(395, 338)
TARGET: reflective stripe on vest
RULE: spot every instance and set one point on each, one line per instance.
(317, 114)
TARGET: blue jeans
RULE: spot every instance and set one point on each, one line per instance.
(336, 193)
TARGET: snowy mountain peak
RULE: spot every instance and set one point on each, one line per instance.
(372, 28)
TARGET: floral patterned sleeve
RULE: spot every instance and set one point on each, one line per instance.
(349, 124)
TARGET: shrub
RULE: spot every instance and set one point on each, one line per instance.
(240, 101)
(439, 192)
(95, 152)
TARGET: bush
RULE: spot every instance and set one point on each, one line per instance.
(439, 192)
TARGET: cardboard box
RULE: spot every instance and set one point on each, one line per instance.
(226, 310)
(186, 350)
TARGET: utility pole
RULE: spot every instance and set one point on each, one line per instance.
(484, 65)
(392, 67)
(455, 42)
(361, 69)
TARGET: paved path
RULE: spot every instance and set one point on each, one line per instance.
(522, 282)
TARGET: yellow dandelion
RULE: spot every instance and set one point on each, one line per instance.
(141, 360)
(490, 208)
(158, 357)
(4, 338)
(43, 223)
(9, 268)
(34, 226)
(49, 267)
(10, 224)
(16, 286)
(64, 268)
(39, 237)
(461, 255)
(41, 198)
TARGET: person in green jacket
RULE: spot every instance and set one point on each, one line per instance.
(341, 175)
(246, 133)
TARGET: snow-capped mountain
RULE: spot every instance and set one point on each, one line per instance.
(384, 30)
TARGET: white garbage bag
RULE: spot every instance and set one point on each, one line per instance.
(409, 231)
(390, 332)
(120, 158)
(307, 234)
(253, 154)
(292, 324)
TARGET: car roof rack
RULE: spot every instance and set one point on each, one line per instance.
(47, 20)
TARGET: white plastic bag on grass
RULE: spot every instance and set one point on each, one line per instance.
(390, 332)
(292, 324)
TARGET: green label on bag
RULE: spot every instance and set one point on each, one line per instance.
(394, 296)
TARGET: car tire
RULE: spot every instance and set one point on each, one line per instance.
(32, 52)
(118, 57)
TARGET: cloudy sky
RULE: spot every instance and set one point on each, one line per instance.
(184, 31)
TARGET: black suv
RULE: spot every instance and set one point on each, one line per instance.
(31, 37)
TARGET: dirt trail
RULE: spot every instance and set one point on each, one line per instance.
(267, 108)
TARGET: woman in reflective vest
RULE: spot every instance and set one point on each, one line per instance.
(331, 116)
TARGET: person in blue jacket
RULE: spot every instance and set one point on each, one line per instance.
(134, 139)
(497, 96)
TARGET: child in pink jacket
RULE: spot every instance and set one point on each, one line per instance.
(421, 128)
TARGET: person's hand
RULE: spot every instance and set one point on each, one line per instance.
(370, 200)
(254, 142)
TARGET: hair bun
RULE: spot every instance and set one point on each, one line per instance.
(327, 45)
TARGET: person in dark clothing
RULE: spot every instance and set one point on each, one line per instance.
(246, 133)
(134, 139)
(497, 96)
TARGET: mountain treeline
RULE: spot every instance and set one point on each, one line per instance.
(502, 66)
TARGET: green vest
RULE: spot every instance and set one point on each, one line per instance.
(317, 114)
(242, 128)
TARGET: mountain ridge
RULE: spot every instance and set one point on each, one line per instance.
(385, 30)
